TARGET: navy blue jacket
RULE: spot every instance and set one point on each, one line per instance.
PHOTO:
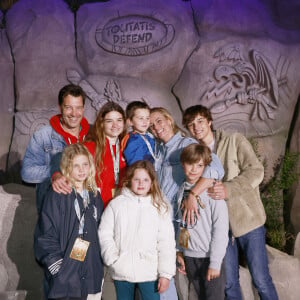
(55, 234)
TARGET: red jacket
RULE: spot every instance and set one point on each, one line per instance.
(107, 180)
(69, 138)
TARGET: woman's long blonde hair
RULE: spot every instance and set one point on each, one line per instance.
(66, 165)
(157, 198)
(97, 133)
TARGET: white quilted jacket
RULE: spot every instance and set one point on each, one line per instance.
(137, 243)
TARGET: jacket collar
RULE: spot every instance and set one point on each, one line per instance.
(128, 193)
(69, 138)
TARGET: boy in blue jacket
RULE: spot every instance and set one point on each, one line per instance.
(139, 144)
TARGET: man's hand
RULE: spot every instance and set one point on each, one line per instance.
(217, 191)
(181, 263)
(163, 284)
(190, 209)
(212, 274)
(60, 184)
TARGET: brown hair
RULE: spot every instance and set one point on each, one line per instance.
(194, 152)
(169, 117)
(66, 165)
(73, 90)
(157, 197)
(97, 133)
(133, 106)
(192, 112)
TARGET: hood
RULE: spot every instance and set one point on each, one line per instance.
(129, 194)
(69, 138)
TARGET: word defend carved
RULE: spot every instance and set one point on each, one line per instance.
(134, 35)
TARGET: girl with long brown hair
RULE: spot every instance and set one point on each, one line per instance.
(103, 143)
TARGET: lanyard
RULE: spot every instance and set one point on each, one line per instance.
(116, 160)
(86, 200)
(177, 218)
(149, 146)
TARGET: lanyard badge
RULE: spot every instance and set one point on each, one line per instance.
(116, 161)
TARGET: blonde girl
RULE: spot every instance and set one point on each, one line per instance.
(104, 145)
(137, 236)
(66, 240)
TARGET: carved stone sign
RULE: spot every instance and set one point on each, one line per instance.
(134, 35)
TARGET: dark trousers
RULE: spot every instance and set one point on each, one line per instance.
(196, 269)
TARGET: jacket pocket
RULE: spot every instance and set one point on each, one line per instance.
(121, 267)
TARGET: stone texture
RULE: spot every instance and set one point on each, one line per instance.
(297, 246)
(7, 95)
(285, 271)
(41, 34)
(295, 191)
(18, 217)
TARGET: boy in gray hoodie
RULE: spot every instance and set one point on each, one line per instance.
(202, 246)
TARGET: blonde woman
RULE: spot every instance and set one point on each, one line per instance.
(171, 142)
(66, 241)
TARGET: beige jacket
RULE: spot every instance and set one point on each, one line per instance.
(243, 174)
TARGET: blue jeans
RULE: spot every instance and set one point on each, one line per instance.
(253, 245)
(125, 290)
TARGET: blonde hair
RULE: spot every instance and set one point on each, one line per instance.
(66, 165)
(97, 133)
(157, 198)
(169, 117)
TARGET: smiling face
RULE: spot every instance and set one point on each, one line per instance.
(200, 129)
(161, 127)
(141, 182)
(193, 171)
(140, 120)
(113, 125)
(72, 113)
(80, 170)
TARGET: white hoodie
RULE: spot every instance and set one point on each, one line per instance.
(137, 242)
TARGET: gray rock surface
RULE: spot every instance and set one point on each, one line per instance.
(18, 216)
(240, 58)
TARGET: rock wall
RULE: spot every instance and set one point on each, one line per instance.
(240, 58)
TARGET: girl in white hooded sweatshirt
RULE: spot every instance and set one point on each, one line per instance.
(137, 237)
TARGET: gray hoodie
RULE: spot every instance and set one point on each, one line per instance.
(209, 236)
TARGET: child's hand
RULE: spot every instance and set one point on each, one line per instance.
(180, 261)
(163, 284)
(212, 274)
